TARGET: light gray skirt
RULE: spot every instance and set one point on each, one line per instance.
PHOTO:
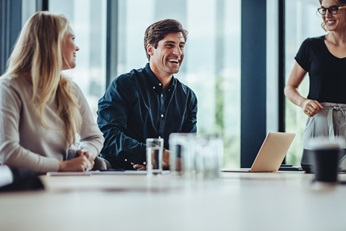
(328, 122)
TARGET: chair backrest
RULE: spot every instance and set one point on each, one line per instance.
(101, 164)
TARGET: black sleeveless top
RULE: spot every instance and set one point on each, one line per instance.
(327, 73)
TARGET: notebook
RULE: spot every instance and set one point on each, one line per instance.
(271, 154)
(107, 172)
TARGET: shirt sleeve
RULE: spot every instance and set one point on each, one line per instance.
(190, 124)
(113, 112)
(91, 138)
(11, 152)
(302, 56)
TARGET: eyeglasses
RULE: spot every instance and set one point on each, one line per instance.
(332, 10)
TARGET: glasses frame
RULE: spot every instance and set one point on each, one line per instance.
(333, 10)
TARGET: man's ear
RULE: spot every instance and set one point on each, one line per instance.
(150, 50)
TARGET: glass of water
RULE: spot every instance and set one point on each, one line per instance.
(154, 155)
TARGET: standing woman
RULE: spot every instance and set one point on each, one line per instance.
(42, 111)
(324, 58)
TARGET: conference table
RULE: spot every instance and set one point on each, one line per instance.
(233, 201)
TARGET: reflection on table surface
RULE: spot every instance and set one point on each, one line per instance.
(235, 201)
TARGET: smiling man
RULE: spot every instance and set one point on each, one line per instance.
(148, 102)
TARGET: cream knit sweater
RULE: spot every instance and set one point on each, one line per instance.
(25, 142)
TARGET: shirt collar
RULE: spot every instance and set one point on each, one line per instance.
(156, 83)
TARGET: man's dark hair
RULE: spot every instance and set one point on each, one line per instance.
(158, 30)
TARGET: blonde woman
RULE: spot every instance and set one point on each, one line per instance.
(41, 111)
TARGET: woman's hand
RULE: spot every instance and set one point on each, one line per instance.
(311, 107)
(90, 157)
(83, 161)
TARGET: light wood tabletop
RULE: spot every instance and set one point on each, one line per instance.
(235, 201)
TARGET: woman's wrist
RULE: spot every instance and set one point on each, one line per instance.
(61, 166)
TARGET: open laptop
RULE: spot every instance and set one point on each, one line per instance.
(271, 154)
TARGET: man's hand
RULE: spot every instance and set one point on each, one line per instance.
(165, 159)
(165, 162)
(139, 167)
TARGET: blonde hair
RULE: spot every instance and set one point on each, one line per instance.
(37, 55)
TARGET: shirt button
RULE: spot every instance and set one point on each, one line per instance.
(160, 84)
(161, 115)
(153, 87)
(125, 159)
(161, 95)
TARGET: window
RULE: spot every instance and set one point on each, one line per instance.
(302, 21)
(212, 55)
(88, 20)
(212, 58)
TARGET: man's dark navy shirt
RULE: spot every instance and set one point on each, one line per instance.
(135, 107)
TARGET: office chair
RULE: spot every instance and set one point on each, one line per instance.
(101, 164)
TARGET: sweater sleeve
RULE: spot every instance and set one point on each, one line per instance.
(91, 138)
(11, 152)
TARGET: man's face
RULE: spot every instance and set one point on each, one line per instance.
(166, 59)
